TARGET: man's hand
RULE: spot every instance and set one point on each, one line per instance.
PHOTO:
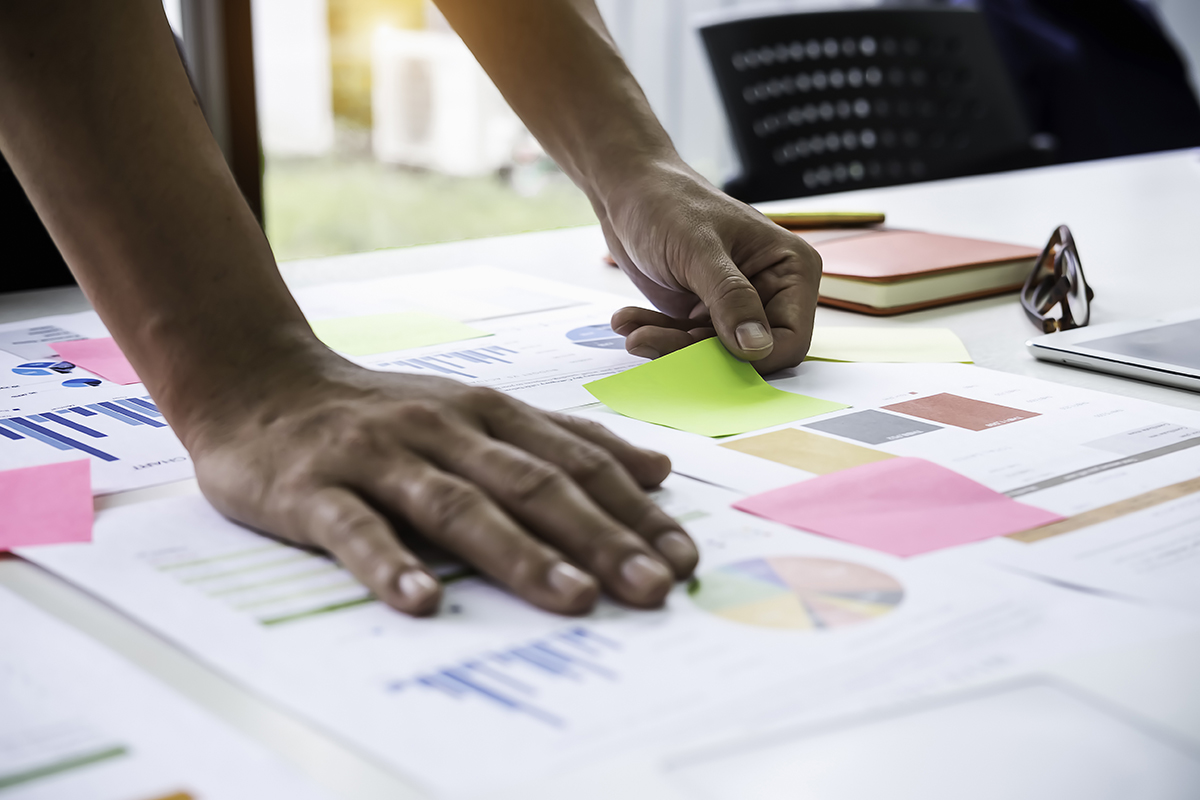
(361, 464)
(712, 265)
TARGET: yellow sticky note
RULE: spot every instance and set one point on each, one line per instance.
(704, 389)
(383, 333)
(888, 344)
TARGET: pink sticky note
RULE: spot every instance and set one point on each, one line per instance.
(101, 356)
(902, 506)
(50, 504)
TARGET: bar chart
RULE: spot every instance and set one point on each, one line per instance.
(514, 679)
(458, 362)
(78, 427)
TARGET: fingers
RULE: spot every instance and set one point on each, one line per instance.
(737, 312)
(458, 515)
(341, 523)
(648, 467)
(650, 334)
(789, 291)
(592, 457)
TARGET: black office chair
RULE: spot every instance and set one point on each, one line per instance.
(825, 102)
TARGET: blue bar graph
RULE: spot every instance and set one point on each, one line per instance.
(456, 361)
(41, 427)
(509, 679)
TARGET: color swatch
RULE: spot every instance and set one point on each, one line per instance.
(806, 451)
(872, 427)
(386, 333)
(796, 593)
(47, 504)
(704, 389)
(902, 506)
(961, 412)
(888, 344)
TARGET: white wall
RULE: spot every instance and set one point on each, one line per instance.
(292, 76)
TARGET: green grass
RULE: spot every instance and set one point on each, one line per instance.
(334, 205)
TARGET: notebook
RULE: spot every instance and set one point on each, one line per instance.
(890, 271)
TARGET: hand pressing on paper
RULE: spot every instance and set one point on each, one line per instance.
(714, 266)
(356, 463)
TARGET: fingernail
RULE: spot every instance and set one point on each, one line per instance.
(416, 585)
(753, 336)
(645, 574)
(569, 581)
(645, 352)
(679, 550)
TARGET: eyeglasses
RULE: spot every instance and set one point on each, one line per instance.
(1057, 281)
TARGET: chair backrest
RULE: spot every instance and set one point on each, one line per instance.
(824, 102)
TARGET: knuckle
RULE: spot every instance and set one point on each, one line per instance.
(532, 478)
(444, 501)
(489, 401)
(422, 414)
(588, 463)
(733, 287)
(339, 525)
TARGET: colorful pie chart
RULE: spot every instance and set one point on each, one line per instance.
(796, 593)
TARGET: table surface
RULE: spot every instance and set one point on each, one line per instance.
(1134, 220)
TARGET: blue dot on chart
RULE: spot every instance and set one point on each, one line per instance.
(600, 336)
(80, 383)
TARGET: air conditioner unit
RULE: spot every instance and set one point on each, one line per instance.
(434, 107)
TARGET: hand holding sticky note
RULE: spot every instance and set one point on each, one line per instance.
(902, 506)
(704, 389)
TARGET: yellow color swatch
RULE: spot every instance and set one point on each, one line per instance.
(385, 333)
(887, 344)
(806, 451)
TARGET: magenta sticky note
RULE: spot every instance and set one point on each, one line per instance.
(902, 506)
(100, 356)
(50, 504)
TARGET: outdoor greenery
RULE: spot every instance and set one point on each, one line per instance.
(345, 204)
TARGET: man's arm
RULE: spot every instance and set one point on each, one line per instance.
(705, 259)
(101, 128)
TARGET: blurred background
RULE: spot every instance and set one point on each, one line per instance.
(356, 125)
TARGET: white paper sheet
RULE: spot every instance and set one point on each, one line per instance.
(76, 721)
(517, 693)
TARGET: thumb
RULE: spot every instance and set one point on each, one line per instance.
(736, 310)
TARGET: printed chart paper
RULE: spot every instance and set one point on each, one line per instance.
(78, 721)
(102, 357)
(387, 333)
(777, 623)
(704, 389)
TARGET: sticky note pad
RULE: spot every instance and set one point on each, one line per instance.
(807, 451)
(383, 333)
(48, 504)
(704, 389)
(887, 345)
(99, 356)
(902, 506)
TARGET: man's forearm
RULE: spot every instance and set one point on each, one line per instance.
(559, 69)
(103, 131)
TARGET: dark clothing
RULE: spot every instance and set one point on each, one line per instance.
(30, 259)
(1101, 76)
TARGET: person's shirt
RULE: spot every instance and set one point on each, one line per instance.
(30, 259)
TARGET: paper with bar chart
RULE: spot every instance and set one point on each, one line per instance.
(78, 721)
(524, 691)
(51, 410)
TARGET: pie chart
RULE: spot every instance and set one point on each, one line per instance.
(599, 336)
(796, 593)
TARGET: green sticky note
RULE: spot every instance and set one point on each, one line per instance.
(888, 345)
(704, 389)
(383, 333)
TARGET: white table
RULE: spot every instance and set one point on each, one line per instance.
(1134, 219)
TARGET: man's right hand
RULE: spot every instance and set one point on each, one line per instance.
(327, 454)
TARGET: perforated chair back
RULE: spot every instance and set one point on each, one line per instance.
(830, 101)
